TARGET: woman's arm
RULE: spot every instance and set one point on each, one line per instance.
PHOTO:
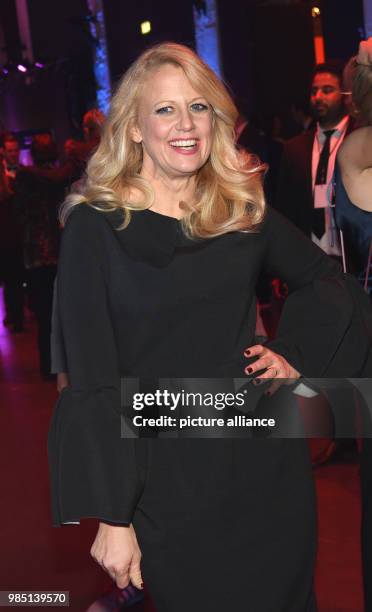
(355, 161)
(94, 471)
(325, 328)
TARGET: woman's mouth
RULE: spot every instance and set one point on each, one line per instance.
(185, 145)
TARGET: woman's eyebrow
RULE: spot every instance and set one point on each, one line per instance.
(175, 101)
(164, 102)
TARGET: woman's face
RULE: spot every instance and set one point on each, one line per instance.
(174, 125)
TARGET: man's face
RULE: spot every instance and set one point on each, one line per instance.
(326, 100)
(11, 153)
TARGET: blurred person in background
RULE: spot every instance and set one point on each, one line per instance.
(81, 150)
(353, 199)
(11, 151)
(308, 160)
(12, 273)
(301, 116)
(353, 184)
(39, 190)
(93, 121)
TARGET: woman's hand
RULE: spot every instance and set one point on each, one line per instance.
(62, 381)
(117, 552)
(275, 366)
(364, 56)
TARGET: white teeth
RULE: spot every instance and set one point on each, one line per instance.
(183, 143)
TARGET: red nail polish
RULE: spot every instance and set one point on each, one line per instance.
(247, 353)
(249, 370)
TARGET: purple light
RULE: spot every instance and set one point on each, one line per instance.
(5, 71)
(22, 68)
(39, 65)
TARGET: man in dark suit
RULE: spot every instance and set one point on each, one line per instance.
(307, 165)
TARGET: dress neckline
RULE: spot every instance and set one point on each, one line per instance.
(158, 214)
(152, 237)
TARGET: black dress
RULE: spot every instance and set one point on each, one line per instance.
(356, 225)
(223, 524)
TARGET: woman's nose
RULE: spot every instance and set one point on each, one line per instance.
(185, 122)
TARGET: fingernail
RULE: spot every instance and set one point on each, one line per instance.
(247, 353)
(249, 370)
(267, 392)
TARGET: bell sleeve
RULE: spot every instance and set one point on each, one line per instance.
(325, 329)
(93, 470)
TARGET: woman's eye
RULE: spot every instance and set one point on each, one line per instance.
(199, 107)
(164, 110)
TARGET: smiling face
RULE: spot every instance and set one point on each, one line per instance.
(174, 125)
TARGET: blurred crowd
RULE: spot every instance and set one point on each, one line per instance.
(30, 197)
(319, 156)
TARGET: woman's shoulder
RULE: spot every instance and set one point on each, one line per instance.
(87, 218)
(274, 220)
(353, 150)
(90, 226)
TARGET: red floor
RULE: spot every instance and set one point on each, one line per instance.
(34, 556)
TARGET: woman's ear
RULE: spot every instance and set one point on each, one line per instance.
(135, 133)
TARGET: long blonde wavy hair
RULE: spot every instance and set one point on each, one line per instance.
(362, 91)
(229, 192)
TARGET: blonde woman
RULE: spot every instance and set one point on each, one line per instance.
(157, 276)
(354, 217)
(354, 172)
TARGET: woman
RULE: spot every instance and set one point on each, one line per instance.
(156, 278)
(38, 192)
(354, 218)
(353, 175)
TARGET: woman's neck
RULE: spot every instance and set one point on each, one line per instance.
(170, 192)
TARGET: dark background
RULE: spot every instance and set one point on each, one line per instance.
(266, 51)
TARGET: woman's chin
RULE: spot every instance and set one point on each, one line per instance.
(187, 168)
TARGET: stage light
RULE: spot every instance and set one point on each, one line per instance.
(315, 11)
(319, 49)
(206, 33)
(39, 65)
(22, 68)
(146, 27)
